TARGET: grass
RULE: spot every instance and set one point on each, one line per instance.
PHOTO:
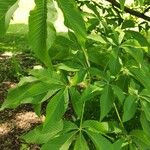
(15, 40)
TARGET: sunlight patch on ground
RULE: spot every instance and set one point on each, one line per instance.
(22, 120)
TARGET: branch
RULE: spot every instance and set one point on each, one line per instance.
(130, 11)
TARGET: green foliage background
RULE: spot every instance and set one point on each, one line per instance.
(99, 69)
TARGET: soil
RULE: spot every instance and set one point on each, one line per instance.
(15, 122)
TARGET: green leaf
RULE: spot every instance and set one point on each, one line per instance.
(141, 139)
(95, 126)
(39, 31)
(81, 143)
(106, 101)
(42, 137)
(117, 145)
(119, 93)
(69, 126)
(90, 92)
(100, 142)
(145, 95)
(136, 53)
(122, 3)
(128, 24)
(32, 92)
(61, 142)
(146, 109)
(7, 8)
(145, 123)
(142, 75)
(114, 64)
(79, 77)
(75, 100)
(139, 37)
(61, 48)
(56, 108)
(66, 67)
(97, 38)
(37, 109)
(129, 108)
(73, 19)
(141, 2)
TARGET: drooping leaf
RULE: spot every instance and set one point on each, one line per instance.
(129, 108)
(7, 8)
(39, 31)
(106, 101)
(81, 143)
(73, 18)
(99, 141)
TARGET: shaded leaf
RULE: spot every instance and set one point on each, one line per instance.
(42, 137)
(129, 108)
(61, 142)
(56, 108)
(81, 143)
(99, 141)
(106, 101)
(119, 93)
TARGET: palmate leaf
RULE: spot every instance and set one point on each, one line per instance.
(34, 89)
(7, 8)
(40, 31)
(32, 92)
(73, 19)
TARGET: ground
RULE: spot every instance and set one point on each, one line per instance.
(15, 61)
